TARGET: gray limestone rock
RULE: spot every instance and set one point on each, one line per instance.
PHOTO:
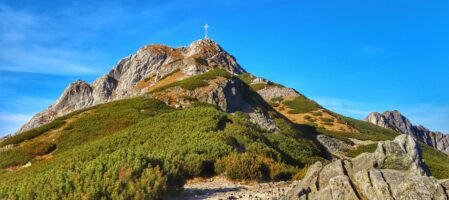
(333, 145)
(268, 93)
(394, 171)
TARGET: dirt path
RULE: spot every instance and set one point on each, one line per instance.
(221, 188)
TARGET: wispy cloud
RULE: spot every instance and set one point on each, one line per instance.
(33, 103)
(35, 43)
(46, 60)
(10, 122)
(18, 111)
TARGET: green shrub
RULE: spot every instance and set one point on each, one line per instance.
(361, 149)
(12, 158)
(281, 171)
(39, 148)
(246, 77)
(276, 99)
(197, 81)
(201, 61)
(27, 135)
(139, 148)
(300, 173)
(325, 119)
(309, 118)
(274, 105)
(243, 166)
(192, 83)
(258, 86)
(301, 105)
(319, 113)
(437, 161)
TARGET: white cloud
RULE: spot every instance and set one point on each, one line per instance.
(11, 122)
(38, 43)
(32, 103)
(46, 60)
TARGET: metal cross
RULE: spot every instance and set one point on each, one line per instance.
(206, 27)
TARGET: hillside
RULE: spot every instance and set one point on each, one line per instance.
(165, 115)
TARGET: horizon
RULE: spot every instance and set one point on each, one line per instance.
(366, 65)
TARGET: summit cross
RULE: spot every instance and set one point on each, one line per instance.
(205, 28)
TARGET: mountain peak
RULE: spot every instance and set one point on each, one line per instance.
(139, 73)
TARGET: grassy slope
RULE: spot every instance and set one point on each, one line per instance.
(437, 161)
(139, 147)
(197, 81)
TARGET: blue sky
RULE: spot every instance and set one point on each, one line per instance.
(352, 56)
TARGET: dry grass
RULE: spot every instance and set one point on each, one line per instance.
(177, 76)
(316, 120)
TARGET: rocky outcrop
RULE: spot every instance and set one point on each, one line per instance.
(271, 92)
(135, 74)
(396, 121)
(229, 95)
(333, 145)
(394, 171)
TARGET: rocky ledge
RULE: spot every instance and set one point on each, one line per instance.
(394, 171)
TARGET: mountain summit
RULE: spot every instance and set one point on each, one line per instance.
(138, 74)
(396, 121)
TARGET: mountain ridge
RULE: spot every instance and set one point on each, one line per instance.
(396, 121)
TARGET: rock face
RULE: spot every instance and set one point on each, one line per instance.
(148, 67)
(230, 95)
(394, 171)
(396, 121)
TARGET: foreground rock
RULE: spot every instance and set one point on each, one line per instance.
(396, 121)
(394, 171)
